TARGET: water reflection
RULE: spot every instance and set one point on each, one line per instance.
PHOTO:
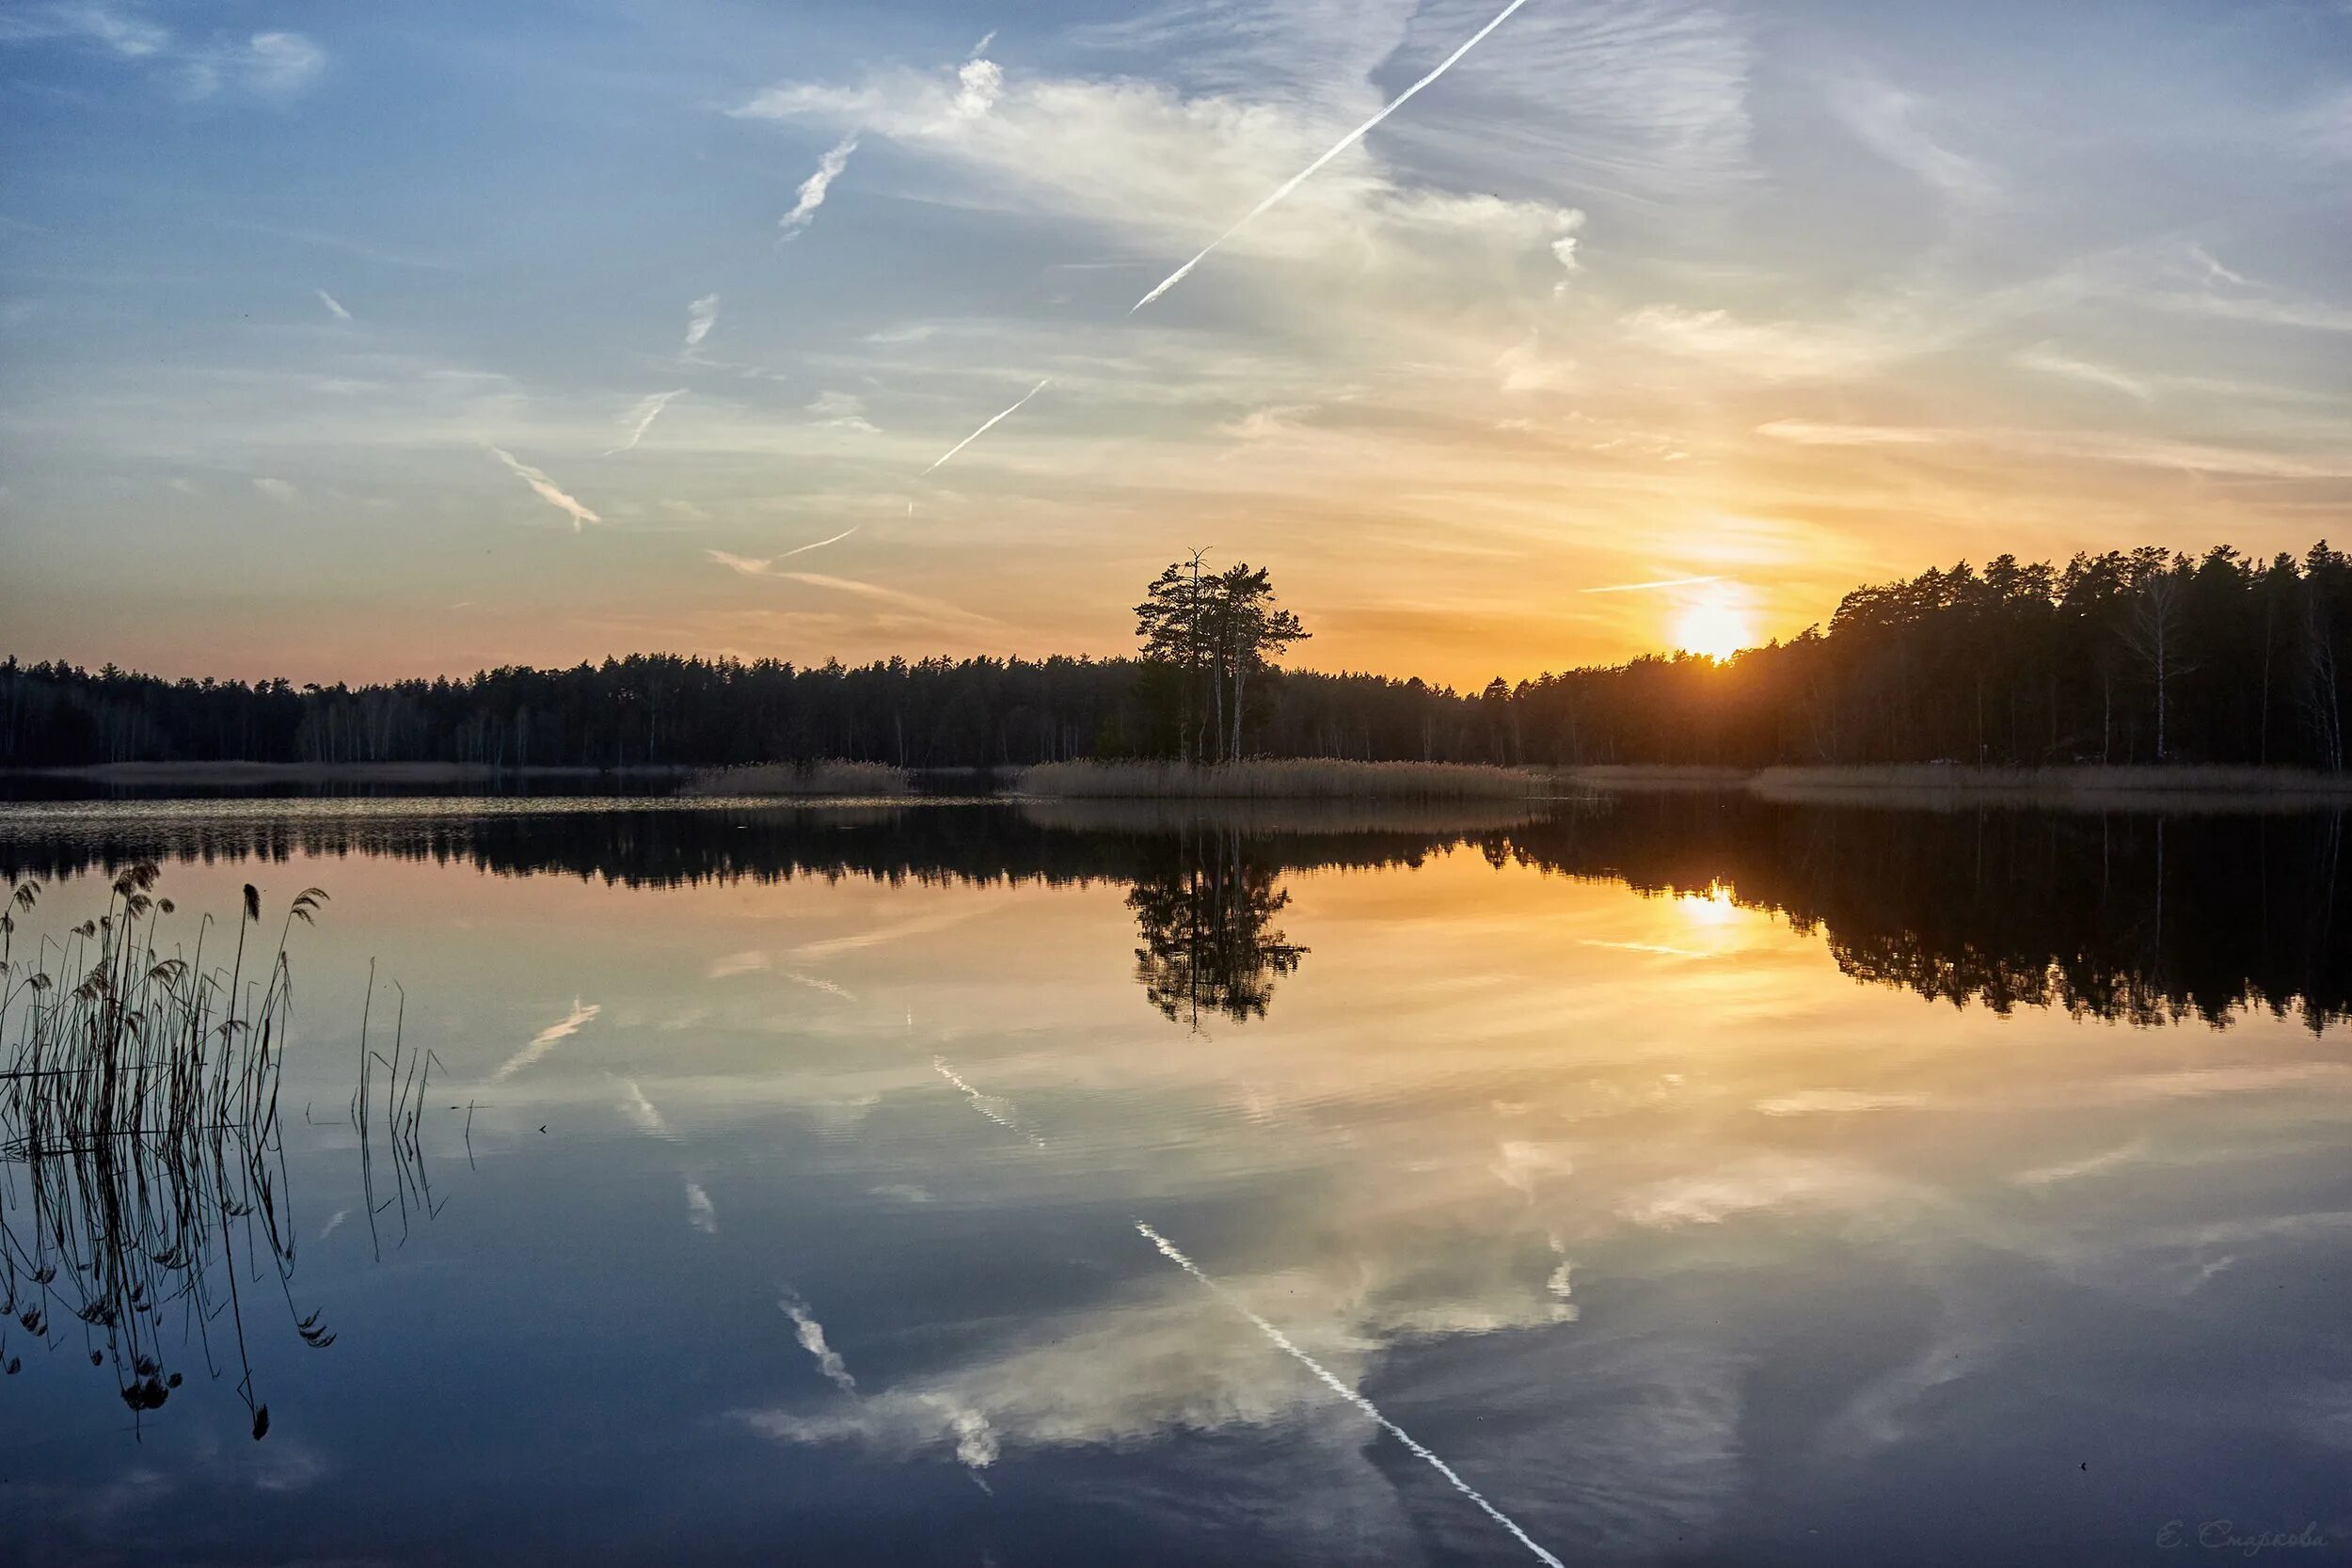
(2140, 917)
(824, 1168)
(141, 1158)
(1206, 919)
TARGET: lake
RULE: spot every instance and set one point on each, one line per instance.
(1672, 1180)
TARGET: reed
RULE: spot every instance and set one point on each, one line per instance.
(836, 777)
(1285, 778)
(141, 1154)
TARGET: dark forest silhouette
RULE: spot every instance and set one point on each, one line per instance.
(2118, 659)
(2132, 916)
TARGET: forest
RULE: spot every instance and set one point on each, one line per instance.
(2121, 658)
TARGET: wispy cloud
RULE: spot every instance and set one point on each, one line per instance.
(277, 489)
(549, 1038)
(2049, 361)
(334, 306)
(122, 33)
(1888, 120)
(546, 489)
(813, 189)
(1341, 146)
(640, 419)
(701, 316)
(281, 64)
(990, 424)
(1645, 587)
(842, 411)
(920, 604)
(272, 64)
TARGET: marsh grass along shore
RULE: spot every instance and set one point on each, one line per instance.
(2145, 787)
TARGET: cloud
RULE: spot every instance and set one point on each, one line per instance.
(1563, 249)
(744, 565)
(701, 316)
(277, 489)
(812, 1336)
(2146, 451)
(128, 35)
(1888, 121)
(2046, 359)
(939, 608)
(273, 64)
(1646, 587)
(546, 489)
(841, 411)
(979, 85)
(282, 64)
(334, 306)
(813, 189)
(640, 419)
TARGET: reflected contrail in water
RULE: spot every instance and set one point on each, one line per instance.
(1282, 1342)
(985, 1104)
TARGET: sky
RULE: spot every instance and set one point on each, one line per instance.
(348, 343)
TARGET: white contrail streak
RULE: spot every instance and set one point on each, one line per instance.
(1282, 1342)
(986, 1105)
(802, 549)
(984, 429)
(1640, 587)
(1342, 145)
(640, 419)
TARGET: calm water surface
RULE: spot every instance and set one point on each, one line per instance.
(1694, 1181)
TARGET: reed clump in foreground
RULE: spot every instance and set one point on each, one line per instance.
(141, 1155)
(1283, 779)
(834, 777)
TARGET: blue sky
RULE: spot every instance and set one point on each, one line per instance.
(1785, 297)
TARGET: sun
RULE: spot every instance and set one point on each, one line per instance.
(1716, 624)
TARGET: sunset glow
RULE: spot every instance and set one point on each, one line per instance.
(1651, 290)
(1716, 622)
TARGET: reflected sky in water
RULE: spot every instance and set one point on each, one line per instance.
(846, 1187)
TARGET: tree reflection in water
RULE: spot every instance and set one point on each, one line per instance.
(1205, 913)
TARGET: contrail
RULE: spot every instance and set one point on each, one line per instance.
(984, 429)
(1638, 587)
(1342, 145)
(1282, 1342)
(640, 419)
(802, 549)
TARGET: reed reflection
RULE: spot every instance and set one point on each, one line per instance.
(143, 1183)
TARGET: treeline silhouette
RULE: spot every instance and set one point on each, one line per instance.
(2120, 657)
(2137, 917)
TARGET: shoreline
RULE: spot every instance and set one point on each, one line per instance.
(2146, 786)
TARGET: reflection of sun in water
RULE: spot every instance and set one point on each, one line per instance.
(1712, 907)
(1716, 622)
